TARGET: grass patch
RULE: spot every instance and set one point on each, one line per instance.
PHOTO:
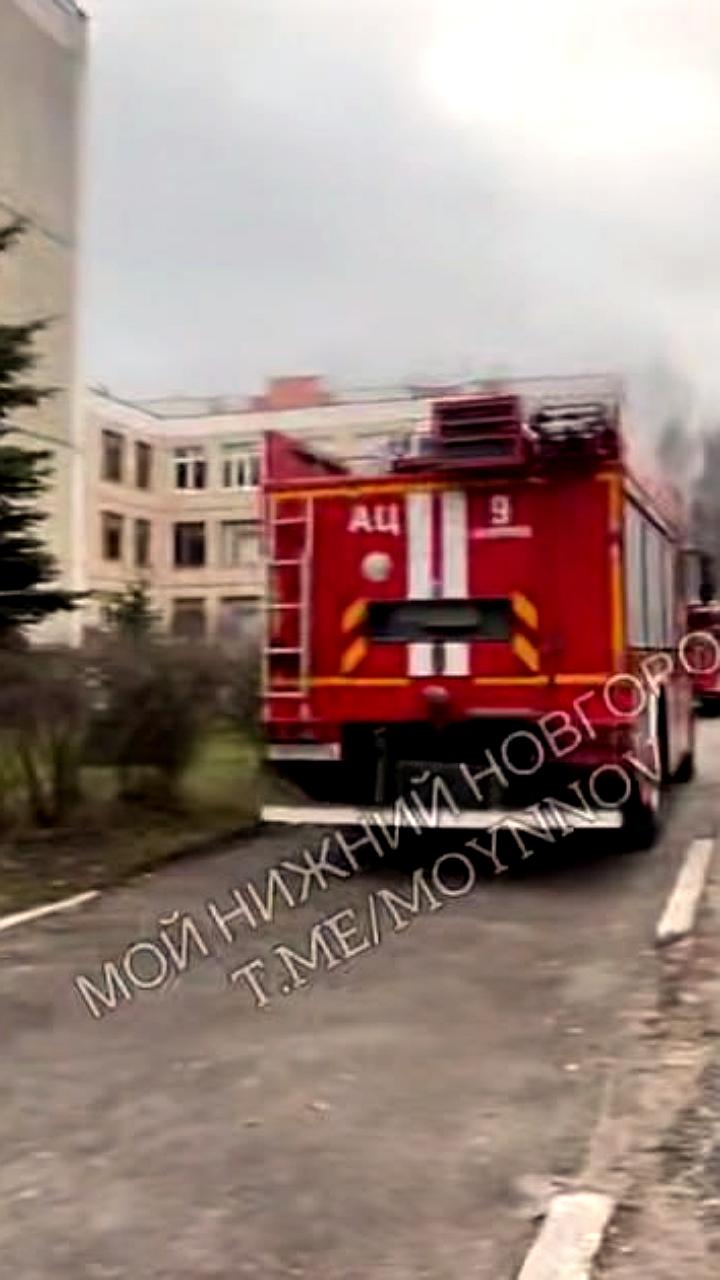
(108, 840)
(225, 776)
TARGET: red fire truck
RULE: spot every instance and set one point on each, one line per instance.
(704, 621)
(703, 628)
(492, 619)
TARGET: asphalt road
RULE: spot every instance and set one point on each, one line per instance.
(391, 1118)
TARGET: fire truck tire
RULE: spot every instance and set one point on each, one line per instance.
(642, 823)
(685, 771)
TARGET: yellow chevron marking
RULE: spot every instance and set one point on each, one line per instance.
(353, 655)
(525, 610)
(526, 652)
(353, 615)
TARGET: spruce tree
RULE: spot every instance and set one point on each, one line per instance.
(27, 569)
(131, 614)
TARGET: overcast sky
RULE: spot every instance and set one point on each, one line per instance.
(385, 190)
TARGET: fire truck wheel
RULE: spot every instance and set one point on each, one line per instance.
(685, 771)
(642, 820)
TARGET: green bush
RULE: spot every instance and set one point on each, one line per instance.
(139, 705)
(154, 701)
(43, 725)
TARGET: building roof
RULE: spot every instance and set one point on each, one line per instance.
(293, 393)
(310, 392)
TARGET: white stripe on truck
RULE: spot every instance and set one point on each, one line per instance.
(455, 571)
(418, 525)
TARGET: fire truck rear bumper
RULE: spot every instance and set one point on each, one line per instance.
(304, 751)
(328, 815)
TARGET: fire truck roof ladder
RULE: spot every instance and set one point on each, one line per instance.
(286, 664)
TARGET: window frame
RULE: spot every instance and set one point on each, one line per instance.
(142, 523)
(190, 468)
(239, 467)
(112, 446)
(112, 522)
(144, 451)
(197, 604)
(253, 604)
(244, 529)
(199, 527)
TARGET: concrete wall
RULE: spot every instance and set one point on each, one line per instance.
(42, 61)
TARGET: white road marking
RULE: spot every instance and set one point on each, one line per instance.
(569, 1238)
(49, 909)
(678, 918)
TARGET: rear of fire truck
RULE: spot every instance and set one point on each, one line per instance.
(703, 626)
(704, 620)
(439, 635)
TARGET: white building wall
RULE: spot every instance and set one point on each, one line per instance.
(347, 429)
(42, 64)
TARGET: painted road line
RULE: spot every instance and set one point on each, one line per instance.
(678, 918)
(50, 909)
(569, 1238)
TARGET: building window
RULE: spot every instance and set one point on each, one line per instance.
(143, 465)
(113, 449)
(190, 468)
(239, 618)
(240, 467)
(111, 535)
(239, 543)
(142, 543)
(189, 538)
(188, 618)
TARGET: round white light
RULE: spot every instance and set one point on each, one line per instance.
(376, 566)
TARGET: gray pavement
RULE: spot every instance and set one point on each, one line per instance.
(394, 1118)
